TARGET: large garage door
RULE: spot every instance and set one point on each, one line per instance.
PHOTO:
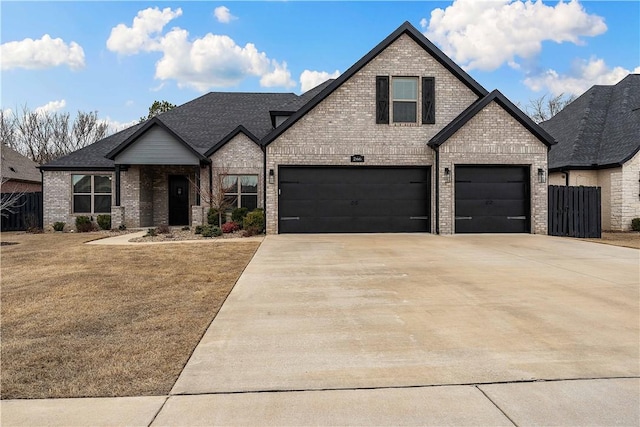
(492, 199)
(353, 200)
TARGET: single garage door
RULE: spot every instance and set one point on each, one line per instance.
(492, 199)
(353, 199)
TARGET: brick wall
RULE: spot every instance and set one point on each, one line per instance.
(630, 189)
(493, 137)
(57, 196)
(344, 123)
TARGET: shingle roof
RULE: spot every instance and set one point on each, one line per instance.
(477, 106)
(200, 123)
(599, 129)
(17, 167)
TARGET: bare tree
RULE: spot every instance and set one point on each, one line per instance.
(44, 136)
(215, 196)
(547, 106)
(9, 202)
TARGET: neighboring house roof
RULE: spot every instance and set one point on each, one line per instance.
(405, 28)
(477, 106)
(17, 167)
(599, 129)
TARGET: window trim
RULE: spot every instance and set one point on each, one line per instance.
(239, 193)
(92, 194)
(393, 100)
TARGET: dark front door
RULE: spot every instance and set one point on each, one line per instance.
(492, 199)
(353, 200)
(178, 200)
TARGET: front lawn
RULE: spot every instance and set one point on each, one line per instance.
(87, 320)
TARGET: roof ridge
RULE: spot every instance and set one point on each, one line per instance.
(601, 137)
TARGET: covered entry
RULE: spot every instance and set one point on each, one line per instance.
(492, 199)
(353, 199)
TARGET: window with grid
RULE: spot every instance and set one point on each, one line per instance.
(241, 191)
(91, 193)
(405, 99)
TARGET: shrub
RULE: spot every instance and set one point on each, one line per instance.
(635, 224)
(104, 221)
(230, 227)
(198, 229)
(186, 228)
(58, 226)
(151, 232)
(163, 229)
(212, 217)
(254, 222)
(84, 224)
(122, 227)
(238, 214)
(211, 231)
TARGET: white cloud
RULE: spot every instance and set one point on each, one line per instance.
(310, 79)
(144, 34)
(223, 14)
(42, 53)
(487, 34)
(116, 126)
(51, 107)
(582, 76)
(201, 63)
(129, 103)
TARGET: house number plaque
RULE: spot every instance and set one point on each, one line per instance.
(357, 158)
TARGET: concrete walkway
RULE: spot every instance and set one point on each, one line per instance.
(404, 330)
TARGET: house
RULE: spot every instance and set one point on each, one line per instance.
(20, 174)
(598, 138)
(403, 141)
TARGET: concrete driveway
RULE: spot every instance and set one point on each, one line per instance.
(365, 311)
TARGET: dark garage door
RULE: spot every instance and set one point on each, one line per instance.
(353, 200)
(492, 199)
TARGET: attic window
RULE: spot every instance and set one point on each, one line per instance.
(405, 99)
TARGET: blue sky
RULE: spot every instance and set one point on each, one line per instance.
(116, 58)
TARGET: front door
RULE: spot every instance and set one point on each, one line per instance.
(178, 200)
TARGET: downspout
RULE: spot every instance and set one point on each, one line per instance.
(118, 185)
(566, 178)
(437, 186)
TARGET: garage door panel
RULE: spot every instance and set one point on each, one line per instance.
(492, 199)
(355, 199)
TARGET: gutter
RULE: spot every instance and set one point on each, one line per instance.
(437, 187)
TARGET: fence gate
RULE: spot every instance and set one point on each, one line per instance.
(574, 211)
(27, 212)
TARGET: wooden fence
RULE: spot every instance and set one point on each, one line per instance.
(574, 211)
(27, 213)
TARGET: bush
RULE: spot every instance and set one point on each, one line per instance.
(238, 214)
(58, 226)
(212, 217)
(151, 232)
(230, 227)
(254, 222)
(122, 227)
(635, 224)
(211, 231)
(198, 229)
(104, 222)
(163, 229)
(84, 224)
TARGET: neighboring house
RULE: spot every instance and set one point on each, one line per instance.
(403, 141)
(598, 138)
(20, 174)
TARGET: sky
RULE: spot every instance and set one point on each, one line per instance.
(117, 57)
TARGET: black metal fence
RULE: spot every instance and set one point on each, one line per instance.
(25, 213)
(574, 211)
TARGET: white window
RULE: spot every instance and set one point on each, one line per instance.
(241, 191)
(91, 193)
(405, 99)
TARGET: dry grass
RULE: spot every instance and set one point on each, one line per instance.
(84, 320)
(629, 239)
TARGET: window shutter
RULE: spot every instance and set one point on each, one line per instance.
(428, 100)
(382, 100)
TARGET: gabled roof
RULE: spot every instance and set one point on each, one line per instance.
(229, 137)
(17, 167)
(599, 129)
(405, 28)
(477, 106)
(154, 121)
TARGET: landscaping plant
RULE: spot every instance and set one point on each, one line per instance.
(254, 222)
(58, 226)
(104, 222)
(84, 224)
(635, 224)
(230, 227)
